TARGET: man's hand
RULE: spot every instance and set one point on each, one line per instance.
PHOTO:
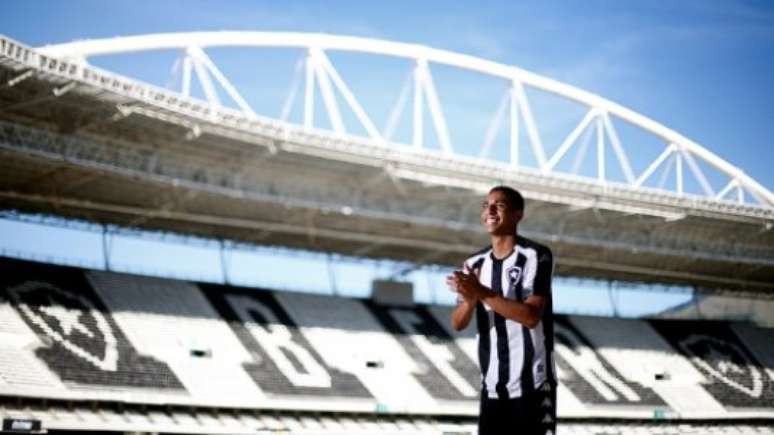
(466, 284)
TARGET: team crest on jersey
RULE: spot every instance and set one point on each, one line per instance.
(514, 275)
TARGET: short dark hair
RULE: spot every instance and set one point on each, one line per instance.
(514, 197)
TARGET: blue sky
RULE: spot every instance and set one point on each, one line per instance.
(703, 68)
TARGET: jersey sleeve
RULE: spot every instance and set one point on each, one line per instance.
(544, 273)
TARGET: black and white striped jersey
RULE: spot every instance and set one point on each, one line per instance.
(513, 358)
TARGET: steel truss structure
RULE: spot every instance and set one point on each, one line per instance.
(83, 142)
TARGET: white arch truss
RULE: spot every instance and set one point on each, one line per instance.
(679, 152)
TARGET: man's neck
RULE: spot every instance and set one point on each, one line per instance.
(502, 246)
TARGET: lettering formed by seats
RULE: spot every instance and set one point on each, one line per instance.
(445, 371)
(292, 359)
(590, 376)
(284, 362)
(438, 353)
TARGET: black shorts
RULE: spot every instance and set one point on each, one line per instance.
(532, 414)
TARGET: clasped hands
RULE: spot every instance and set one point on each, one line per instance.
(466, 284)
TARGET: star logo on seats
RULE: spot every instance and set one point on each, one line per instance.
(70, 320)
(724, 361)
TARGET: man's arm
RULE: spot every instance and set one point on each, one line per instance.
(529, 312)
(462, 313)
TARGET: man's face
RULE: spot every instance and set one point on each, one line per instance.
(498, 215)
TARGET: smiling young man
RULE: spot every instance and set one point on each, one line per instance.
(508, 287)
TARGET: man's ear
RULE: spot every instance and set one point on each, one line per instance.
(518, 214)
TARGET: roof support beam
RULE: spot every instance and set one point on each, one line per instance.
(309, 92)
(329, 99)
(202, 57)
(349, 97)
(515, 134)
(287, 106)
(620, 153)
(494, 127)
(529, 123)
(569, 141)
(397, 110)
(656, 163)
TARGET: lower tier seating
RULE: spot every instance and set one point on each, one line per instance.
(73, 334)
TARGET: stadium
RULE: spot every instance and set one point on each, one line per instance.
(98, 350)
